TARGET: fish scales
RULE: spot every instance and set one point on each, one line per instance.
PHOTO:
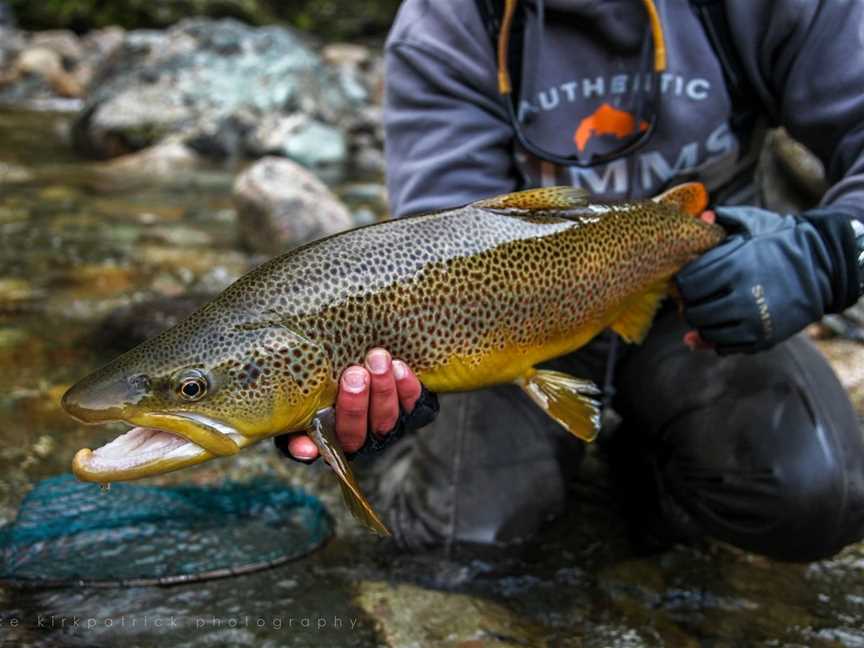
(468, 283)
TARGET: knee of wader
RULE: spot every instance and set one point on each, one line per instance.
(769, 474)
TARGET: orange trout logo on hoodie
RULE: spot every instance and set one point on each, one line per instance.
(606, 121)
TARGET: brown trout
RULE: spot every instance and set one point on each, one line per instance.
(468, 298)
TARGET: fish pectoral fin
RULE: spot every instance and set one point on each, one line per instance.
(636, 314)
(566, 399)
(321, 431)
(552, 201)
(690, 197)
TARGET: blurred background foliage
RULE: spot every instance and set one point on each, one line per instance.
(328, 19)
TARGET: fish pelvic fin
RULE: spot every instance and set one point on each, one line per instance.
(690, 197)
(566, 399)
(321, 431)
(636, 314)
(533, 201)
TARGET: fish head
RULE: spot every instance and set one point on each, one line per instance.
(203, 389)
(678, 219)
(692, 235)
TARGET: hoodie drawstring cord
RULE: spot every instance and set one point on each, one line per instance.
(504, 86)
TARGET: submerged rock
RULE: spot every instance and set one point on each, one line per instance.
(167, 162)
(14, 174)
(408, 615)
(17, 294)
(203, 71)
(280, 205)
(131, 325)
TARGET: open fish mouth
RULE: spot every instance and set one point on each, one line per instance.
(147, 451)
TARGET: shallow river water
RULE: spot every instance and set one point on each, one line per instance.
(77, 243)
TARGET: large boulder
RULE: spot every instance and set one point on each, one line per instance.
(281, 205)
(200, 78)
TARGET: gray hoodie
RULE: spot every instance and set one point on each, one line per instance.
(449, 140)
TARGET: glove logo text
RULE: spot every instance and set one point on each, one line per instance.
(758, 293)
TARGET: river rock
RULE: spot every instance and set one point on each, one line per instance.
(99, 46)
(48, 64)
(408, 615)
(367, 157)
(131, 325)
(302, 139)
(43, 65)
(800, 164)
(14, 174)
(280, 205)
(366, 135)
(791, 177)
(350, 61)
(168, 162)
(64, 42)
(12, 42)
(203, 71)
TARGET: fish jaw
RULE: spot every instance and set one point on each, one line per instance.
(140, 452)
(149, 449)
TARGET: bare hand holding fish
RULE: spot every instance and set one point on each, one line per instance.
(369, 400)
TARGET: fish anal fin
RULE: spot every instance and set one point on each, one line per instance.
(636, 314)
(538, 200)
(566, 399)
(689, 197)
(321, 431)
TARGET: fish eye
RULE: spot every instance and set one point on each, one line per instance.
(192, 385)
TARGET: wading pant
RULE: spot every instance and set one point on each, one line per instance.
(761, 451)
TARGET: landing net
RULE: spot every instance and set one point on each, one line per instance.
(70, 533)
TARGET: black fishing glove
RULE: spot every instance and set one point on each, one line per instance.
(425, 411)
(771, 277)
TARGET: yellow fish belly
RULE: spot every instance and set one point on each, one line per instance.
(505, 364)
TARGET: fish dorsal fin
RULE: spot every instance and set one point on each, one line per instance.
(538, 201)
(690, 197)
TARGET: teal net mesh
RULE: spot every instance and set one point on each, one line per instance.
(71, 533)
